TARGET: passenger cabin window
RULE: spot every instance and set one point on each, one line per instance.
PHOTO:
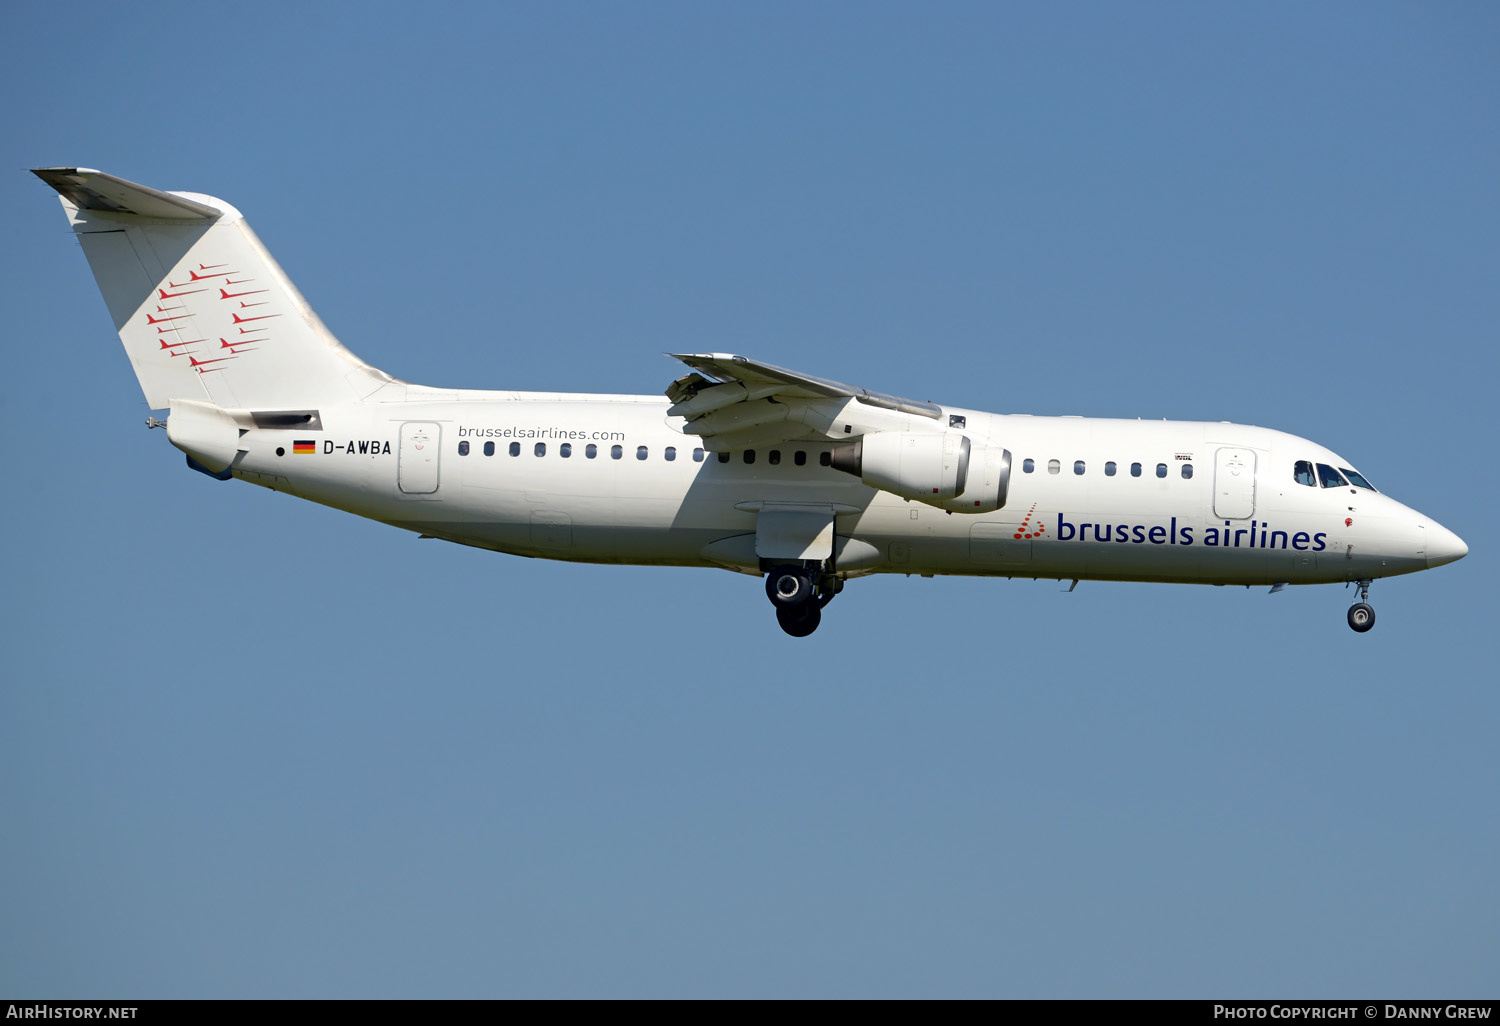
(825, 458)
(670, 453)
(515, 448)
(749, 455)
(463, 448)
(1187, 471)
(1304, 475)
(489, 448)
(774, 457)
(1054, 467)
(697, 455)
(1109, 469)
(591, 450)
(723, 457)
(1028, 465)
(565, 450)
(800, 458)
(1330, 478)
(641, 452)
(1357, 478)
(541, 449)
(1161, 470)
(1135, 470)
(1078, 466)
(616, 451)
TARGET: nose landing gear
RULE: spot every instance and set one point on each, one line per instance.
(799, 594)
(1361, 615)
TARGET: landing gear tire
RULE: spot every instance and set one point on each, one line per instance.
(799, 621)
(1361, 617)
(788, 587)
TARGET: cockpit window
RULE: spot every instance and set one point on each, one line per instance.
(1304, 473)
(1355, 477)
(1330, 478)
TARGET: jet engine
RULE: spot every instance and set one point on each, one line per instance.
(946, 470)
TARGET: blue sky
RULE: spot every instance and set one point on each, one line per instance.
(254, 747)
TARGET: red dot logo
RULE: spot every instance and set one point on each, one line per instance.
(1026, 530)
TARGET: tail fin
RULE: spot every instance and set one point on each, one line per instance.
(204, 311)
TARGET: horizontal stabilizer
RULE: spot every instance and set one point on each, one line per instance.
(88, 189)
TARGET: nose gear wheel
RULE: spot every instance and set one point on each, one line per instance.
(1361, 614)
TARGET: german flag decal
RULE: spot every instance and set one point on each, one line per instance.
(303, 445)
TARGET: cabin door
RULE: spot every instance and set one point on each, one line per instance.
(1234, 484)
(417, 463)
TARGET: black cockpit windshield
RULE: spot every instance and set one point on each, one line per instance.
(1307, 473)
(1330, 478)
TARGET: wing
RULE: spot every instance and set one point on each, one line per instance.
(734, 403)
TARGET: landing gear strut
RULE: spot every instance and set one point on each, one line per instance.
(1361, 615)
(799, 594)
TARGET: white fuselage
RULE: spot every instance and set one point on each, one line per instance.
(589, 478)
(743, 465)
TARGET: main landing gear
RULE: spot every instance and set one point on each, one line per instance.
(1361, 615)
(799, 593)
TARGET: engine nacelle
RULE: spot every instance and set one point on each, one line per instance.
(989, 481)
(927, 467)
(945, 469)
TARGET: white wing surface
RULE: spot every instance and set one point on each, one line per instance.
(732, 403)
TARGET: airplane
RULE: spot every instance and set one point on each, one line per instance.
(741, 465)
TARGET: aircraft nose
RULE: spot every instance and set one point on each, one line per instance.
(1443, 546)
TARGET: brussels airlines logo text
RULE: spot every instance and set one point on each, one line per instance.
(1257, 536)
